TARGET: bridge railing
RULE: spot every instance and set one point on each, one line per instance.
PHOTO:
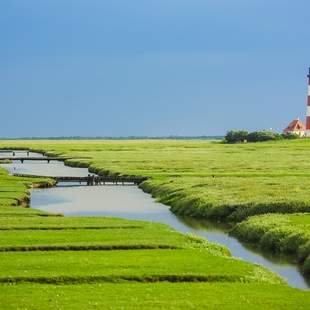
(90, 180)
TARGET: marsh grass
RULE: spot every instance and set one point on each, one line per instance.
(114, 254)
(288, 234)
(152, 263)
(215, 295)
(201, 178)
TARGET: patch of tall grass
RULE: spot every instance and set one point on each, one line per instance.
(231, 199)
(288, 234)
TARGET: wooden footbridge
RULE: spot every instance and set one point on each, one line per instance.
(22, 159)
(91, 179)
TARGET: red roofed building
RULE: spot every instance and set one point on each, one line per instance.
(297, 127)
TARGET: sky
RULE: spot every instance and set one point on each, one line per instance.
(151, 67)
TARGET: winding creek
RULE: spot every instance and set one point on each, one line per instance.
(132, 203)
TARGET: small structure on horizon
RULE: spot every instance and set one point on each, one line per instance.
(296, 127)
(307, 132)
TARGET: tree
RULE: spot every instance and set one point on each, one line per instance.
(234, 136)
(264, 135)
(290, 135)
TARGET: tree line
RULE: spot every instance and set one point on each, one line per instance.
(242, 136)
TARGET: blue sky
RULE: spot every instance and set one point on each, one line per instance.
(151, 67)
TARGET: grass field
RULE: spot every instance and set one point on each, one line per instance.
(14, 191)
(176, 265)
(289, 234)
(55, 262)
(89, 235)
(248, 179)
(152, 296)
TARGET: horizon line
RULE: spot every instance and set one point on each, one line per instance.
(171, 137)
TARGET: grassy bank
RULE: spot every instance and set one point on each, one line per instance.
(15, 191)
(232, 199)
(288, 234)
(152, 265)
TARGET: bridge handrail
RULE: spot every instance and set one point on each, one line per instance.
(34, 158)
(107, 178)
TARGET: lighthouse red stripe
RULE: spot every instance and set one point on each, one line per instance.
(308, 123)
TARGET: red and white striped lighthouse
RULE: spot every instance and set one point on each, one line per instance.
(307, 133)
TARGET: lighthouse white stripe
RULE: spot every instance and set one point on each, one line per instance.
(308, 111)
(308, 90)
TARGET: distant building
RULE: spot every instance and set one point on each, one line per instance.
(297, 127)
(307, 132)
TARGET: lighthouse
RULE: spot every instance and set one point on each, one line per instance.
(307, 133)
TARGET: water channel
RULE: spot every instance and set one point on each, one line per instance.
(132, 203)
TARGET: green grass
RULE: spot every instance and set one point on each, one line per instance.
(231, 198)
(154, 235)
(288, 234)
(203, 179)
(132, 265)
(98, 262)
(250, 179)
(12, 210)
(53, 222)
(14, 190)
(152, 296)
(35, 232)
(5, 161)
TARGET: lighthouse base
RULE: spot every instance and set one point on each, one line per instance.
(307, 133)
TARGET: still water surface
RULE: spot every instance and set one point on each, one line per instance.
(131, 203)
